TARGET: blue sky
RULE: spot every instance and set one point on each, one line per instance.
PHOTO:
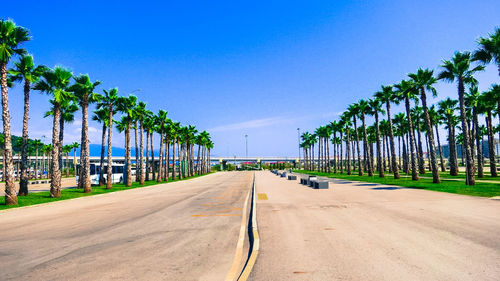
(262, 68)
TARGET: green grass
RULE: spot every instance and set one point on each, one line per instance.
(458, 187)
(36, 198)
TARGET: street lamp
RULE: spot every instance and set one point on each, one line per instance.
(246, 146)
(298, 141)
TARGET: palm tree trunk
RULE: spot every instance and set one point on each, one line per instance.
(468, 154)
(341, 153)
(147, 156)
(141, 152)
(67, 166)
(414, 174)
(443, 169)
(160, 163)
(365, 143)
(430, 135)
(36, 163)
(103, 142)
(348, 151)
(173, 161)
(198, 161)
(84, 150)
(128, 154)
(491, 144)
(23, 184)
(379, 151)
(452, 144)
(152, 157)
(55, 184)
(109, 180)
(10, 189)
(328, 154)
(137, 162)
(420, 151)
(480, 170)
(166, 170)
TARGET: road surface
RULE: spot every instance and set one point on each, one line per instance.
(185, 230)
(365, 231)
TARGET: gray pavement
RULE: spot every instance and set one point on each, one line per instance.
(366, 231)
(185, 230)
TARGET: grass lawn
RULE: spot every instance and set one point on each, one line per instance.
(446, 175)
(44, 196)
(458, 187)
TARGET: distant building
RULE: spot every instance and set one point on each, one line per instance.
(486, 153)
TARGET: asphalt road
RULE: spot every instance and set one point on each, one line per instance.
(185, 230)
(364, 231)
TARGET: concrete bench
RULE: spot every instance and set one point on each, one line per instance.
(292, 177)
(321, 184)
(283, 175)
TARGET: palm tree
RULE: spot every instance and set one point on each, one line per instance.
(127, 105)
(101, 116)
(55, 83)
(148, 123)
(417, 114)
(66, 149)
(435, 119)
(109, 99)
(387, 95)
(472, 102)
(406, 91)
(488, 107)
(459, 68)
(447, 109)
(489, 49)
(376, 107)
(354, 112)
(83, 90)
(423, 80)
(140, 115)
(364, 108)
(25, 70)
(162, 120)
(11, 37)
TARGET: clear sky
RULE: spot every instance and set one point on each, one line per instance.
(262, 68)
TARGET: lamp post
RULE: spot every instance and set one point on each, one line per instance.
(246, 146)
(298, 141)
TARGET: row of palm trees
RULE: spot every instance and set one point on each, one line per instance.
(415, 127)
(68, 93)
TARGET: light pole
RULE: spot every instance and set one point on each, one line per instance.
(246, 146)
(298, 141)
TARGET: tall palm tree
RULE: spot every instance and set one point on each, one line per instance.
(25, 70)
(489, 49)
(148, 129)
(140, 115)
(472, 102)
(101, 116)
(417, 114)
(354, 112)
(424, 80)
(55, 83)
(364, 108)
(447, 109)
(162, 119)
(435, 119)
(126, 105)
(488, 107)
(11, 38)
(109, 99)
(83, 90)
(459, 68)
(376, 107)
(387, 95)
(406, 91)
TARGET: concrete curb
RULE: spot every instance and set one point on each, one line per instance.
(238, 256)
(254, 238)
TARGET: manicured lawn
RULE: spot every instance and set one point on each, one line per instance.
(44, 196)
(461, 176)
(459, 187)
